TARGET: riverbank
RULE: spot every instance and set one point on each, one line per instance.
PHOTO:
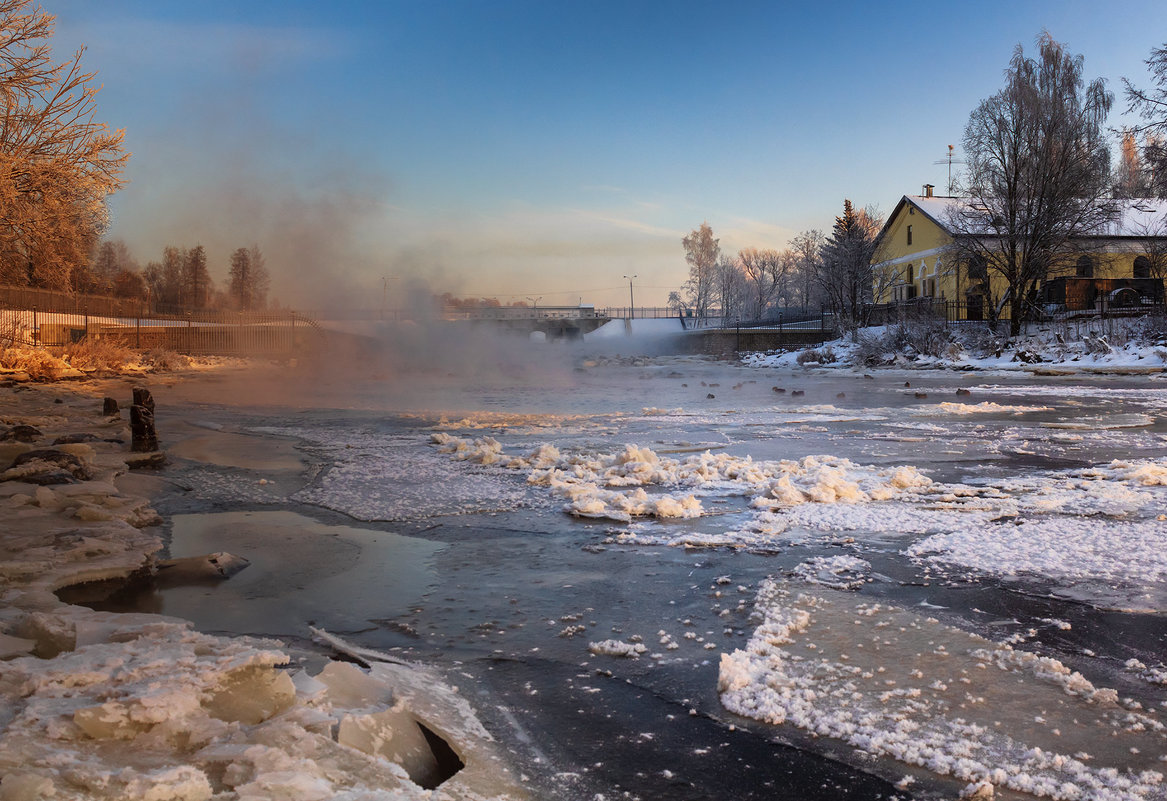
(105, 705)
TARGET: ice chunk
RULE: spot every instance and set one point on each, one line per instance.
(25, 787)
(392, 734)
(251, 695)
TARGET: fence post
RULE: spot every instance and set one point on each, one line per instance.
(188, 334)
(36, 334)
(85, 311)
(138, 331)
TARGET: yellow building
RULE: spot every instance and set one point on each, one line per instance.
(915, 260)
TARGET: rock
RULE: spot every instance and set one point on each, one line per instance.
(710, 396)
(196, 569)
(907, 383)
(921, 394)
(779, 390)
(21, 433)
(46, 466)
(841, 395)
(110, 408)
(798, 393)
(963, 392)
(72, 439)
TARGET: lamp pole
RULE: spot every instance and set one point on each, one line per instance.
(631, 301)
(535, 301)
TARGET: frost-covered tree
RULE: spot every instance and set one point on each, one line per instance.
(1037, 177)
(1151, 105)
(57, 164)
(1131, 178)
(845, 275)
(702, 252)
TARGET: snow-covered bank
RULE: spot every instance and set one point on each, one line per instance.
(1116, 347)
(102, 705)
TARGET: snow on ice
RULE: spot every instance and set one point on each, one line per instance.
(913, 689)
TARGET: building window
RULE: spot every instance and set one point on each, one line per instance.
(1142, 267)
(909, 234)
(977, 269)
(911, 275)
(1085, 267)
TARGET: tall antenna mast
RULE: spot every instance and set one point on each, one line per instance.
(950, 160)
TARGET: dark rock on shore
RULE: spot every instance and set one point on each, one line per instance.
(21, 433)
(46, 466)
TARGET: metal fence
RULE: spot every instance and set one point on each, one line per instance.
(956, 312)
(202, 334)
(50, 300)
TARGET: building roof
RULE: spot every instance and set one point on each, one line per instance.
(1137, 216)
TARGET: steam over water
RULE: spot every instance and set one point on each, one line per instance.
(663, 577)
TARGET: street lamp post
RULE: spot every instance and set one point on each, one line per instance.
(631, 301)
(535, 301)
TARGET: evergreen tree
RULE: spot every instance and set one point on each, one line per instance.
(249, 279)
(196, 281)
(845, 277)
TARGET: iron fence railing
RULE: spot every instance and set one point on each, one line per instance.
(195, 334)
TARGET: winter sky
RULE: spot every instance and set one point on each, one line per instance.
(541, 149)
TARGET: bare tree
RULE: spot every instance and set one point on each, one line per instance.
(845, 276)
(1151, 105)
(675, 303)
(112, 258)
(1151, 262)
(1038, 178)
(764, 271)
(807, 247)
(730, 289)
(57, 164)
(701, 253)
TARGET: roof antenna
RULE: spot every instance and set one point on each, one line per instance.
(950, 160)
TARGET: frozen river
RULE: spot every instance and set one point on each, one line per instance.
(679, 578)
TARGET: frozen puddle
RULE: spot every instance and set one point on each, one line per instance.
(896, 685)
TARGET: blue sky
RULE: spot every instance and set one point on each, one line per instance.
(541, 149)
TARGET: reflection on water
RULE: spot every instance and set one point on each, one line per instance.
(302, 572)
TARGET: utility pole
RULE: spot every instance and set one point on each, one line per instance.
(631, 301)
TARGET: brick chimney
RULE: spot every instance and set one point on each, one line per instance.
(928, 190)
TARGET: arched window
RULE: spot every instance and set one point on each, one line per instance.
(977, 269)
(1142, 267)
(1085, 267)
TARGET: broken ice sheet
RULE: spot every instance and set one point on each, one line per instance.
(896, 685)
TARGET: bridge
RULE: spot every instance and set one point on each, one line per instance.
(554, 322)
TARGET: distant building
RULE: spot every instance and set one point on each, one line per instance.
(1122, 265)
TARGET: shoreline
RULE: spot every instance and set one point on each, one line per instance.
(117, 705)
